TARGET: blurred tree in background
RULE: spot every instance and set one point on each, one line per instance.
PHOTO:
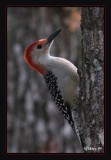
(34, 123)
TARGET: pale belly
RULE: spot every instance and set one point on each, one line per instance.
(69, 91)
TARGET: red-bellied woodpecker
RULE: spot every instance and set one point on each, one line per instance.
(60, 75)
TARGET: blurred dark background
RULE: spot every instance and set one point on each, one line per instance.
(34, 123)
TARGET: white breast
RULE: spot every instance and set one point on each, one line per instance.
(67, 77)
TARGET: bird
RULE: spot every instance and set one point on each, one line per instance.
(60, 75)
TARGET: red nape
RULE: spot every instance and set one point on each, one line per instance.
(28, 58)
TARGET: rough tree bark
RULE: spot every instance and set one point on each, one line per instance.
(92, 79)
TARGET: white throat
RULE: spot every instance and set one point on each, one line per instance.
(44, 59)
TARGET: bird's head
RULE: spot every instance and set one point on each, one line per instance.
(38, 50)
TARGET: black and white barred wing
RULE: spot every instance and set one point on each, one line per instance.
(64, 107)
(51, 81)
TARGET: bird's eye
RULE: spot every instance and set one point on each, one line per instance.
(39, 46)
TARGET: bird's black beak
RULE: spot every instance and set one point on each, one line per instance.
(52, 36)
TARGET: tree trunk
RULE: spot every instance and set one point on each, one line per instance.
(92, 79)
